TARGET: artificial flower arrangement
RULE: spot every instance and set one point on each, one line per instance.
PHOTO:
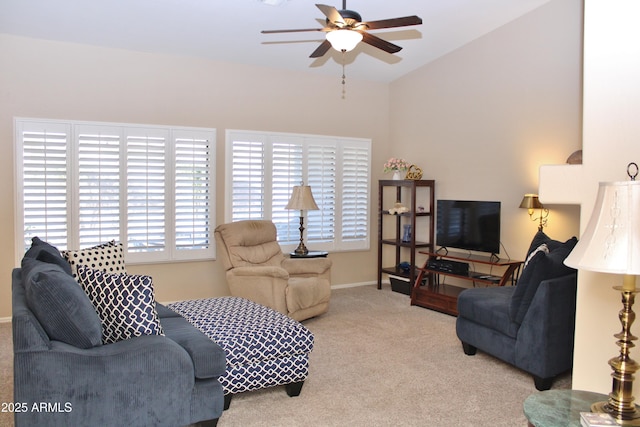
(394, 165)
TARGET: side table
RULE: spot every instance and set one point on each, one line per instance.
(559, 408)
(310, 254)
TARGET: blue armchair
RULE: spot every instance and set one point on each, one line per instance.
(65, 376)
(530, 325)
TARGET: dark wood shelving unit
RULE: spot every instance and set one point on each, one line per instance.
(390, 231)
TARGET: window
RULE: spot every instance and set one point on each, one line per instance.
(263, 167)
(80, 184)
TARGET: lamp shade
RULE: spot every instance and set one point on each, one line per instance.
(531, 201)
(344, 39)
(302, 199)
(611, 241)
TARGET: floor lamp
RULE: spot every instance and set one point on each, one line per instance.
(302, 200)
(611, 244)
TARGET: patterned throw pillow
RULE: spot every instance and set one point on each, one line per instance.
(107, 257)
(542, 248)
(125, 304)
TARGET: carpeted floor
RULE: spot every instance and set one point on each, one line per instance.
(377, 361)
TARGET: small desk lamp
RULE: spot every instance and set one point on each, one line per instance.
(302, 200)
(611, 244)
(531, 202)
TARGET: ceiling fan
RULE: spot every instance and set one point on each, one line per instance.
(345, 30)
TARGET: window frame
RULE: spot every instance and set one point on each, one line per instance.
(339, 243)
(174, 134)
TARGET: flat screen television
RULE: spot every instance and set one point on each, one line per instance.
(469, 225)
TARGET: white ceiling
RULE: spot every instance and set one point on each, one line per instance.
(229, 30)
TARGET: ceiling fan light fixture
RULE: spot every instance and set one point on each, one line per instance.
(344, 39)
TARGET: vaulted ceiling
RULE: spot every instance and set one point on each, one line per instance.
(229, 30)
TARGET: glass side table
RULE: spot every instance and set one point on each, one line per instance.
(559, 408)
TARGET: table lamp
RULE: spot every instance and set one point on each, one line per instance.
(611, 244)
(302, 200)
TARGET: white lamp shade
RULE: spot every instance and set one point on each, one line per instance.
(302, 199)
(611, 241)
(344, 39)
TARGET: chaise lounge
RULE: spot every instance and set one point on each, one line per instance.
(530, 325)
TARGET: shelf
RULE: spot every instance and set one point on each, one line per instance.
(407, 214)
(473, 258)
(398, 242)
(395, 271)
(472, 276)
(443, 298)
(419, 199)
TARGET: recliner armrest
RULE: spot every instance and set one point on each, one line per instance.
(260, 271)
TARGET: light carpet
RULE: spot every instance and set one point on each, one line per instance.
(377, 361)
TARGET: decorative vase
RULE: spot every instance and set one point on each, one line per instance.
(406, 237)
(396, 175)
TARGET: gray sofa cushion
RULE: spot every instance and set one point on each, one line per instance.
(60, 305)
(542, 266)
(489, 307)
(46, 252)
(209, 360)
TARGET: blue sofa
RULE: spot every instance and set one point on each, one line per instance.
(530, 325)
(65, 376)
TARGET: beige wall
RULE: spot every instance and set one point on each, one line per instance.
(611, 133)
(67, 81)
(482, 119)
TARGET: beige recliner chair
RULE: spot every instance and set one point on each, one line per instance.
(258, 270)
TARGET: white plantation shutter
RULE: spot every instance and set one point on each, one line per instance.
(355, 191)
(42, 170)
(264, 167)
(248, 176)
(193, 191)
(322, 161)
(81, 184)
(98, 184)
(286, 173)
(146, 191)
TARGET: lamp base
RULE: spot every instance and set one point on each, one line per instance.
(301, 249)
(630, 419)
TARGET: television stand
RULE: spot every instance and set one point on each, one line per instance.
(442, 297)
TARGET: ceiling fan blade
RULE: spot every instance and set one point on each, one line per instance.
(332, 14)
(394, 22)
(321, 50)
(379, 43)
(292, 31)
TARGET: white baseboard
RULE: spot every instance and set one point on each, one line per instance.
(353, 285)
(5, 319)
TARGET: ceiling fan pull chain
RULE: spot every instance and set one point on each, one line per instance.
(344, 92)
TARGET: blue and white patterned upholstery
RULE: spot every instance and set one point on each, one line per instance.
(125, 304)
(263, 347)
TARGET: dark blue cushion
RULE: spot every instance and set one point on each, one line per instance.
(542, 266)
(46, 252)
(60, 305)
(488, 307)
